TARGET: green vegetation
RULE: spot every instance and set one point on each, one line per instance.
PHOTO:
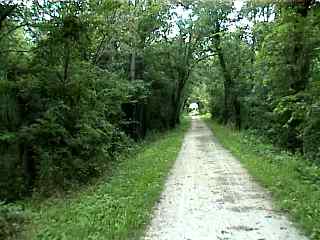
(77, 88)
(12, 220)
(82, 81)
(293, 181)
(115, 208)
(265, 73)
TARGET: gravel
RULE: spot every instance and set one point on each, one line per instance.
(209, 195)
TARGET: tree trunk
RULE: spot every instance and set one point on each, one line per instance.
(300, 58)
(29, 166)
(6, 11)
(237, 108)
(228, 84)
(66, 62)
(132, 74)
(138, 126)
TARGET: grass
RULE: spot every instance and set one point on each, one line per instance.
(115, 208)
(293, 181)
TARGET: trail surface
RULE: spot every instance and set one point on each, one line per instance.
(209, 195)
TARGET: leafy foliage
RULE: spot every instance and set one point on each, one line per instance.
(265, 74)
(77, 87)
(81, 80)
(119, 208)
(11, 219)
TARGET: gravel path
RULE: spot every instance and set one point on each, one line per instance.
(210, 196)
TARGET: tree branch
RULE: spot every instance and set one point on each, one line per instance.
(206, 57)
(13, 50)
(8, 10)
(19, 50)
(12, 30)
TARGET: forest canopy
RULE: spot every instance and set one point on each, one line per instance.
(81, 80)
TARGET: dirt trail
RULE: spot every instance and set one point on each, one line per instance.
(210, 196)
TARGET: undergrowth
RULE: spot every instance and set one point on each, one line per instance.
(114, 208)
(11, 221)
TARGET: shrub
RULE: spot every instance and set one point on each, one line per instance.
(311, 135)
(11, 220)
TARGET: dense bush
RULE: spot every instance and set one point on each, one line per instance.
(67, 134)
(11, 220)
(76, 88)
(269, 74)
(311, 135)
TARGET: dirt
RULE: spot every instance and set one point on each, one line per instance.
(209, 195)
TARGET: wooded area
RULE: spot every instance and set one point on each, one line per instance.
(270, 74)
(81, 80)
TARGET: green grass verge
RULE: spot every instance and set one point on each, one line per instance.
(116, 208)
(293, 181)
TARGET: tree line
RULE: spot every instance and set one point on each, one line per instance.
(267, 71)
(80, 81)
